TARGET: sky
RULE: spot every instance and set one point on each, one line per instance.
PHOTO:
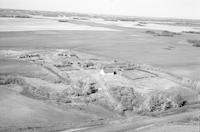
(189, 9)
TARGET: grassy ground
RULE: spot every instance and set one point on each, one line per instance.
(19, 112)
(128, 44)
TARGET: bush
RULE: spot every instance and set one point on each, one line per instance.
(155, 103)
(192, 32)
(64, 100)
(127, 97)
(22, 16)
(150, 32)
(161, 102)
(163, 33)
(7, 79)
(194, 42)
(63, 20)
(167, 34)
(86, 87)
(178, 100)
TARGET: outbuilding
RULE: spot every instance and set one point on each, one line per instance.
(108, 71)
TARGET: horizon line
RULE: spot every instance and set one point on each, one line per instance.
(109, 15)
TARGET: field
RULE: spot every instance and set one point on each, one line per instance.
(98, 73)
